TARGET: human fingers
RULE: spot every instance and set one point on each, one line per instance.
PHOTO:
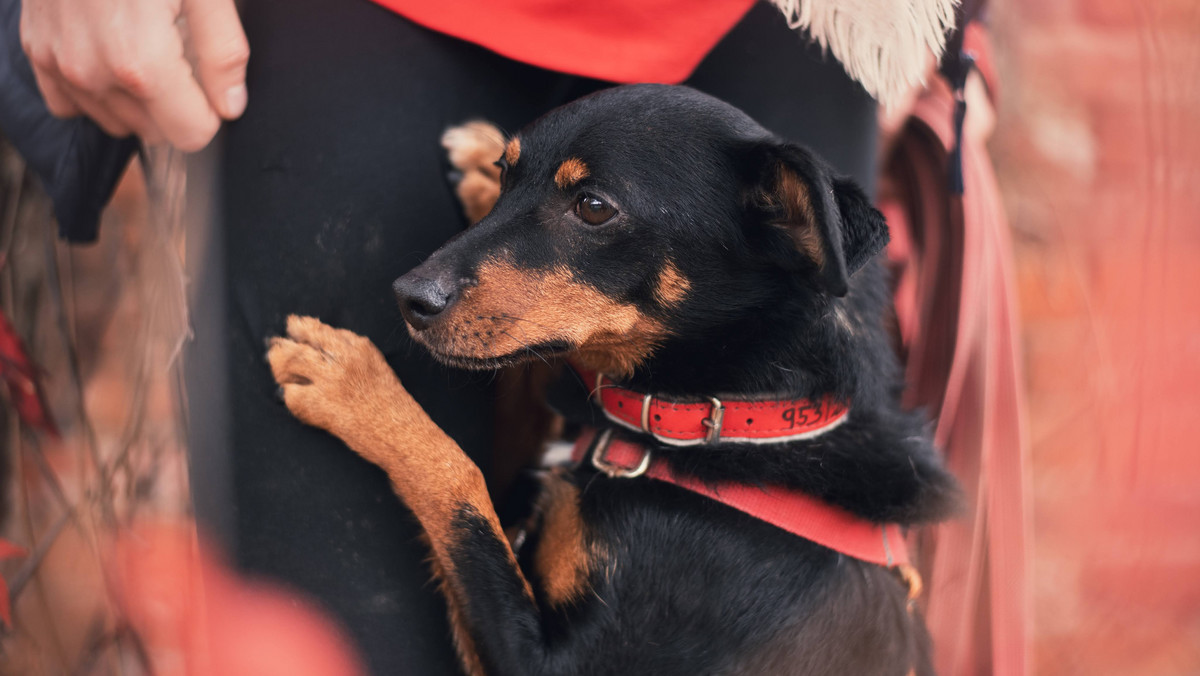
(221, 52)
(39, 48)
(99, 111)
(173, 99)
(122, 63)
(113, 110)
(57, 100)
(134, 114)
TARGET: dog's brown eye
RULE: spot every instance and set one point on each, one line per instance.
(593, 210)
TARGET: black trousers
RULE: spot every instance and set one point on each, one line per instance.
(333, 185)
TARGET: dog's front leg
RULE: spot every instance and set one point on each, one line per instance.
(339, 381)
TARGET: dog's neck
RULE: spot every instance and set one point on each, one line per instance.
(878, 464)
(773, 356)
(797, 343)
(742, 364)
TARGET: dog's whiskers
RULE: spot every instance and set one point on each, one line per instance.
(515, 318)
(527, 346)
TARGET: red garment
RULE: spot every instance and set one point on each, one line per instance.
(617, 40)
(958, 320)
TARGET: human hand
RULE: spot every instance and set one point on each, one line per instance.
(123, 63)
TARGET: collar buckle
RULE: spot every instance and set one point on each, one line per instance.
(714, 421)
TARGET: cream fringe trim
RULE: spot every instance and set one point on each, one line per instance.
(884, 44)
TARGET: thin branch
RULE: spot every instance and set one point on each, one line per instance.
(47, 472)
(26, 571)
(76, 376)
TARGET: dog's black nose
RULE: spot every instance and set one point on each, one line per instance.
(422, 299)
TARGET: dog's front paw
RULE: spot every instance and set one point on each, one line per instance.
(473, 149)
(332, 378)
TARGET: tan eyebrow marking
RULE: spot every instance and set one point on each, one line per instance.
(570, 172)
(672, 285)
(512, 151)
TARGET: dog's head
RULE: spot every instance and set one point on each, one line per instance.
(632, 216)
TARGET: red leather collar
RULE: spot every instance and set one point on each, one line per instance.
(791, 510)
(688, 424)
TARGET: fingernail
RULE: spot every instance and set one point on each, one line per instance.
(235, 100)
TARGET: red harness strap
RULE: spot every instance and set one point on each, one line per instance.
(790, 510)
(688, 424)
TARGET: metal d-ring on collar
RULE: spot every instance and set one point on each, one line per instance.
(614, 471)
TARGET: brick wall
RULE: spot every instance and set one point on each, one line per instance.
(1098, 154)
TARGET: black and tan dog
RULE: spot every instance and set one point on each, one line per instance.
(663, 238)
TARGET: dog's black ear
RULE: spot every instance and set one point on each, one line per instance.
(830, 219)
